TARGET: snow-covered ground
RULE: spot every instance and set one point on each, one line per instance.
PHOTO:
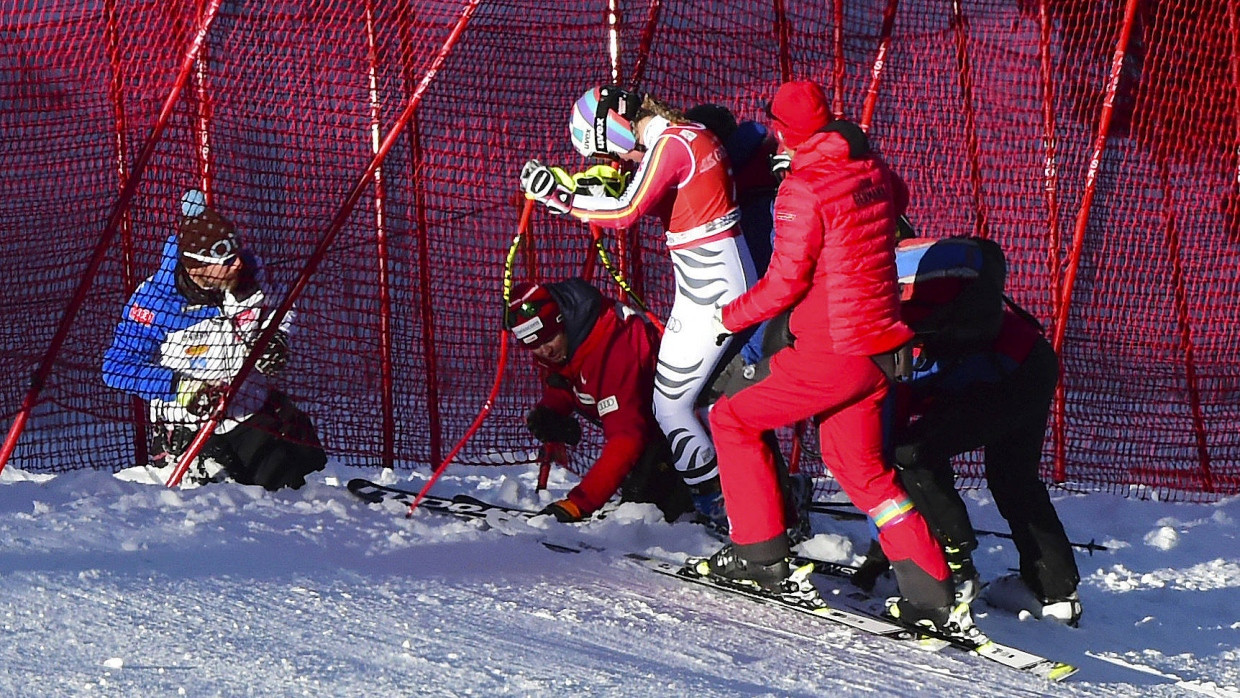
(115, 586)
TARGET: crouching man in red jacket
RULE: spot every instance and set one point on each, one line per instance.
(597, 357)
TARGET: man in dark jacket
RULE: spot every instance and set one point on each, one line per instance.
(598, 360)
(997, 398)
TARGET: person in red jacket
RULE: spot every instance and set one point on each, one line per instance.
(598, 360)
(833, 264)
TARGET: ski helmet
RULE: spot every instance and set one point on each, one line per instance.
(533, 315)
(602, 121)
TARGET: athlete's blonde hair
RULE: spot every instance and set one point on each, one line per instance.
(653, 107)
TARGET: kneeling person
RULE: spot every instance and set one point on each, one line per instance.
(184, 334)
(598, 360)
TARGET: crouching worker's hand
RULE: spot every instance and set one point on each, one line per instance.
(549, 426)
(564, 511)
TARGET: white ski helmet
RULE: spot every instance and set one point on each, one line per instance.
(602, 121)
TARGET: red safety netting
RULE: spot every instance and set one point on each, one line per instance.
(1096, 141)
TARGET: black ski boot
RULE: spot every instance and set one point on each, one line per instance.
(726, 564)
(965, 579)
(954, 622)
(871, 568)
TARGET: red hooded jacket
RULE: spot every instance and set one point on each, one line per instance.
(834, 256)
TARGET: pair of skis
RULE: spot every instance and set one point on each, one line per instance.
(851, 612)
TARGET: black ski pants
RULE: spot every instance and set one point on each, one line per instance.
(1008, 419)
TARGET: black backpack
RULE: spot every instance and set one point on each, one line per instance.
(952, 293)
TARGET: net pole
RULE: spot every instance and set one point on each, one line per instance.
(382, 259)
(1050, 184)
(104, 243)
(960, 27)
(782, 38)
(422, 238)
(838, 68)
(646, 40)
(880, 63)
(1180, 296)
(129, 274)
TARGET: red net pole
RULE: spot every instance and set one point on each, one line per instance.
(129, 276)
(105, 239)
(880, 62)
(381, 247)
(1186, 336)
(838, 68)
(613, 40)
(202, 127)
(1054, 240)
(960, 26)
(782, 33)
(643, 45)
(1231, 200)
(429, 352)
(320, 251)
(501, 364)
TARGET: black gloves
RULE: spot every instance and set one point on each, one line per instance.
(547, 425)
(564, 511)
(275, 357)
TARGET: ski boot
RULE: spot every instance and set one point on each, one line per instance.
(965, 579)
(1066, 610)
(708, 501)
(726, 564)
(950, 622)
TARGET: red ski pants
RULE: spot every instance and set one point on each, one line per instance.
(844, 394)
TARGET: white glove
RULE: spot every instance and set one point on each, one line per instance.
(780, 162)
(721, 331)
(540, 184)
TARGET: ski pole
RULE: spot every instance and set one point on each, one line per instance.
(840, 511)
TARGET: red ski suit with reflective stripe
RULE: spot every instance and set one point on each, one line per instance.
(834, 265)
(611, 379)
(685, 180)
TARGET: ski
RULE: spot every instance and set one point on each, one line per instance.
(497, 516)
(858, 600)
(461, 505)
(863, 622)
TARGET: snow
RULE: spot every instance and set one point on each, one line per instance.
(116, 586)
